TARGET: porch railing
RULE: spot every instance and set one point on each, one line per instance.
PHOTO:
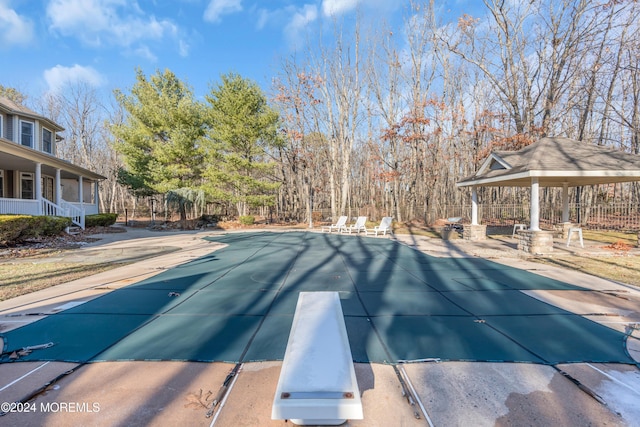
(43, 207)
(75, 213)
(19, 206)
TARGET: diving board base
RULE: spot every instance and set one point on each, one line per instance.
(317, 384)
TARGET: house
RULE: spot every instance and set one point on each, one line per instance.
(33, 180)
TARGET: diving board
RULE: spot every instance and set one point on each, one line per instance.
(317, 384)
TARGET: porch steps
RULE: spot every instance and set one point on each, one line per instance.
(73, 230)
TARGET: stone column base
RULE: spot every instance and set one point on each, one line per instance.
(562, 229)
(474, 232)
(535, 242)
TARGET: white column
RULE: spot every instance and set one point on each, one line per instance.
(565, 202)
(80, 190)
(37, 186)
(58, 186)
(474, 205)
(95, 193)
(535, 205)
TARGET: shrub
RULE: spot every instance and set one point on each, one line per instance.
(16, 228)
(53, 225)
(100, 220)
(247, 220)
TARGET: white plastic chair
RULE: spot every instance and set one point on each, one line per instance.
(339, 225)
(360, 225)
(385, 225)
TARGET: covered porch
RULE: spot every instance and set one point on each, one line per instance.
(36, 183)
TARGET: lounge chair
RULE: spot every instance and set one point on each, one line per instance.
(358, 226)
(339, 225)
(385, 225)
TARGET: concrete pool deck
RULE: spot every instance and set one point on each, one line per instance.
(451, 393)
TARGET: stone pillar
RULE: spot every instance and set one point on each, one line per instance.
(535, 242)
(474, 232)
(564, 229)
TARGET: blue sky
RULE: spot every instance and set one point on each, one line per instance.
(47, 43)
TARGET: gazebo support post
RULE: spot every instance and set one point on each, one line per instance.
(534, 240)
(565, 202)
(474, 205)
(535, 205)
(474, 231)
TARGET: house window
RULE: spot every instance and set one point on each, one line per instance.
(47, 141)
(1, 127)
(26, 186)
(1, 183)
(26, 134)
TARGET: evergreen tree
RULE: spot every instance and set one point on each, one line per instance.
(161, 137)
(243, 129)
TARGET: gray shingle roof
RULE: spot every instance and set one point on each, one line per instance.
(556, 161)
(14, 108)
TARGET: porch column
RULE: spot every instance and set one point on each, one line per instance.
(37, 186)
(565, 202)
(474, 205)
(535, 205)
(95, 193)
(80, 192)
(58, 186)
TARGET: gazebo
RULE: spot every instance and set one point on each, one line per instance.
(548, 162)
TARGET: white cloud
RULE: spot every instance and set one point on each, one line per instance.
(106, 22)
(146, 53)
(14, 29)
(338, 7)
(183, 48)
(60, 76)
(300, 19)
(217, 8)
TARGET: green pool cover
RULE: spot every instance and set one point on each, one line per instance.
(237, 304)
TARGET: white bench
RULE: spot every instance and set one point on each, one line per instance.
(317, 384)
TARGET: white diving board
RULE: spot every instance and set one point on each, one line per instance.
(317, 384)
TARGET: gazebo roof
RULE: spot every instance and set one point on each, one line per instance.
(555, 162)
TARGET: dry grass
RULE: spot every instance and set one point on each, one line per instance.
(611, 237)
(621, 268)
(20, 278)
(620, 265)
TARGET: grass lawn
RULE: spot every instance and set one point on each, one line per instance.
(20, 278)
(621, 268)
(620, 265)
